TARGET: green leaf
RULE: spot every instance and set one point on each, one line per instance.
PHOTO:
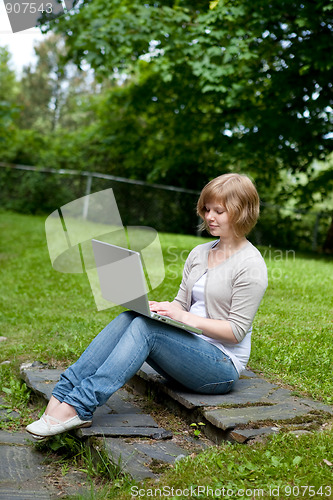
(297, 460)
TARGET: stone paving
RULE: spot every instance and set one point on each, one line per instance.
(254, 408)
(24, 474)
(132, 438)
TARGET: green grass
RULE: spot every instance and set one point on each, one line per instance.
(293, 332)
(51, 317)
(269, 468)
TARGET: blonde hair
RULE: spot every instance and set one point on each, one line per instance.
(238, 195)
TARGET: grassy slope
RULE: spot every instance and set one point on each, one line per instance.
(51, 317)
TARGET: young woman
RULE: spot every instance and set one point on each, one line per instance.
(222, 286)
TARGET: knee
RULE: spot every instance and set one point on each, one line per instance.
(134, 321)
(140, 320)
(127, 315)
(141, 324)
(119, 324)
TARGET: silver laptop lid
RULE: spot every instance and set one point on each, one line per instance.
(121, 276)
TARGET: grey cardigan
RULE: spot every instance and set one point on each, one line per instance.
(234, 288)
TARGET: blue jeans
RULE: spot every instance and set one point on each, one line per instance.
(120, 349)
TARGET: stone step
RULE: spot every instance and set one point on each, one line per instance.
(23, 471)
(254, 403)
(243, 435)
(118, 417)
(251, 409)
(142, 459)
(132, 439)
(230, 418)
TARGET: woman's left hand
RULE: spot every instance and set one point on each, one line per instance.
(166, 308)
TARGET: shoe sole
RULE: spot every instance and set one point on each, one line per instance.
(38, 438)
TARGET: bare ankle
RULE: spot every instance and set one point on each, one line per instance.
(52, 404)
(63, 412)
(69, 410)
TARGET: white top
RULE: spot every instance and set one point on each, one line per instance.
(239, 353)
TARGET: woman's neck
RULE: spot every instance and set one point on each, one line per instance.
(224, 250)
(230, 245)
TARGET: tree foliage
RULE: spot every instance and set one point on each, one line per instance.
(257, 74)
(47, 113)
(249, 83)
(8, 107)
(52, 92)
(182, 92)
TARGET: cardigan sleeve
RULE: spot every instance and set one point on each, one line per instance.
(248, 289)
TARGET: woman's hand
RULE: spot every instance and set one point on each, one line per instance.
(214, 328)
(170, 309)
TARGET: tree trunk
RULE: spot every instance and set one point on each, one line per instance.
(328, 244)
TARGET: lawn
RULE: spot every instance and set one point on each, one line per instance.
(51, 317)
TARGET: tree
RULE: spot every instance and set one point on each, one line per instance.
(52, 92)
(141, 132)
(264, 67)
(8, 108)
(52, 103)
(251, 81)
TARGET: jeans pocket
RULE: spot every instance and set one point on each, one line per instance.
(217, 387)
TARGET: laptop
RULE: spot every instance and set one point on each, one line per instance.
(122, 281)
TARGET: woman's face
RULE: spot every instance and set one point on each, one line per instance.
(217, 220)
